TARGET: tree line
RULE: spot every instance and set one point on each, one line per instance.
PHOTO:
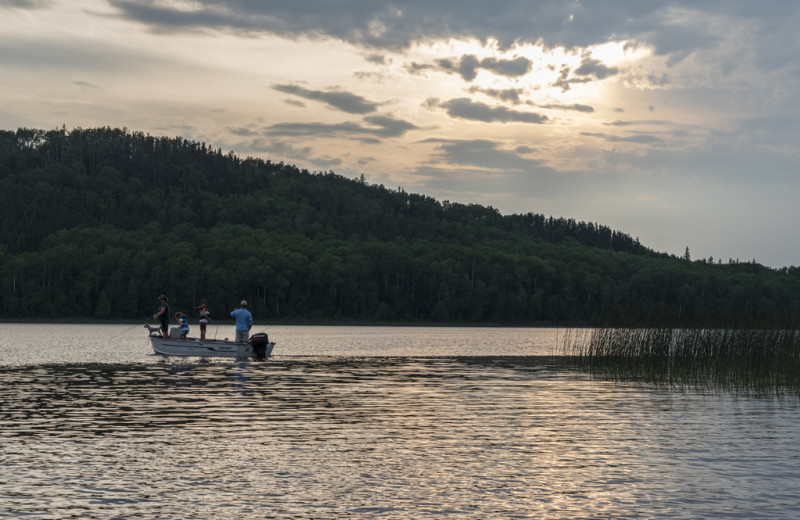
(98, 222)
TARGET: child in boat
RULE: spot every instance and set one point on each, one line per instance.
(184, 324)
(204, 317)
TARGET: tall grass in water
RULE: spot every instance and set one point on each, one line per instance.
(752, 359)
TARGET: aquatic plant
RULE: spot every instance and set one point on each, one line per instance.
(757, 359)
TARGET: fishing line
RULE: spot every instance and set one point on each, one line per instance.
(133, 327)
(128, 330)
(276, 323)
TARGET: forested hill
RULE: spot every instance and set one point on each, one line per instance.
(98, 222)
(130, 180)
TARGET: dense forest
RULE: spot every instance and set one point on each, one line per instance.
(99, 222)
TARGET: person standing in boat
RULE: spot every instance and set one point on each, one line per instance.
(163, 315)
(204, 317)
(244, 321)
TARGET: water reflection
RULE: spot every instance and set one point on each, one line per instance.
(401, 437)
(739, 378)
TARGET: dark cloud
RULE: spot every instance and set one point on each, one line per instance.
(595, 68)
(294, 102)
(723, 161)
(636, 138)
(85, 84)
(418, 68)
(378, 59)
(589, 70)
(30, 53)
(465, 108)
(461, 169)
(575, 106)
(658, 81)
(398, 24)
(390, 127)
(317, 129)
(243, 131)
(281, 150)
(483, 153)
(344, 101)
(680, 40)
(780, 130)
(379, 127)
(636, 123)
(25, 4)
(508, 95)
(468, 65)
(511, 68)
(513, 96)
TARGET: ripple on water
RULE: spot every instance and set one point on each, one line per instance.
(383, 437)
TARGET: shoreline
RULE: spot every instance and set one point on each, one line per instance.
(295, 323)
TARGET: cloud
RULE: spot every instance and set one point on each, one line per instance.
(24, 4)
(575, 106)
(378, 59)
(390, 127)
(631, 123)
(778, 131)
(468, 65)
(396, 25)
(595, 68)
(589, 70)
(344, 101)
(77, 54)
(244, 131)
(510, 68)
(484, 171)
(637, 138)
(85, 84)
(509, 95)
(483, 153)
(294, 102)
(464, 108)
(281, 150)
(675, 29)
(381, 127)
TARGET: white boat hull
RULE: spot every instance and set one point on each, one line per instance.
(207, 348)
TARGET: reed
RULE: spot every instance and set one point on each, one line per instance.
(757, 359)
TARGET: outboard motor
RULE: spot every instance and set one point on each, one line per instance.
(259, 342)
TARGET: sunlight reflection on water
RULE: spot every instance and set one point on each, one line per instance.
(356, 436)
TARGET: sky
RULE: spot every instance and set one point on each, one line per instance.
(676, 122)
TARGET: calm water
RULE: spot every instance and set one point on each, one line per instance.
(373, 422)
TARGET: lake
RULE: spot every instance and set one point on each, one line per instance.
(373, 422)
